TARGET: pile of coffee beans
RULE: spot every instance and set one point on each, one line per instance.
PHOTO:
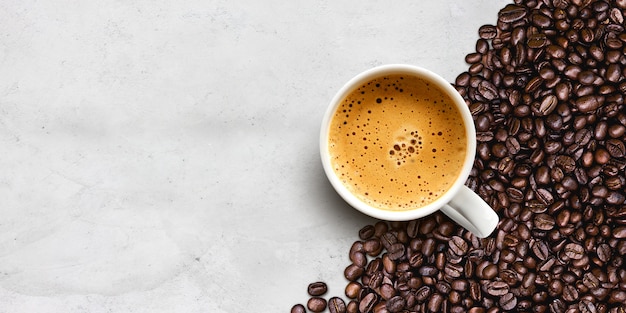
(546, 88)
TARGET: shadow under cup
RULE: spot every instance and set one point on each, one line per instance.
(398, 142)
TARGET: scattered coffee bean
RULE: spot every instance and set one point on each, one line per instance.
(336, 305)
(367, 232)
(298, 308)
(316, 304)
(353, 272)
(317, 288)
(353, 289)
(368, 302)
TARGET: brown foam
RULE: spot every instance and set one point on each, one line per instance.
(397, 142)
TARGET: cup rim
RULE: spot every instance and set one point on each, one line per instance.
(442, 84)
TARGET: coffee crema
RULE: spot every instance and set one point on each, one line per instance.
(397, 142)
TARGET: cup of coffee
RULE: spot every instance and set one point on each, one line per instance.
(398, 143)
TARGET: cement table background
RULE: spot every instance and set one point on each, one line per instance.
(162, 156)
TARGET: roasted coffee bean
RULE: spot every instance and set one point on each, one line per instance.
(507, 256)
(588, 103)
(482, 46)
(446, 228)
(567, 163)
(556, 52)
(490, 271)
(298, 308)
(387, 291)
(435, 302)
(548, 74)
(616, 131)
(532, 86)
(487, 32)
(375, 280)
(396, 304)
(428, 270)
(368, 302)
(459, 285)
(545, 106)
(428, 248)
(473, 58)
(497, 288)
(440, 261)
(427, 225)
(412, 228)
(357, 246)
(510, 277)
(508, 301)
(374, 266)
(396, 251)
(604, 252)
(372, 247)
(401, 286)
(487, 90)
(380, 228)
(352, 307)
(602, 156)
(367, 232)
(317, 288)
(511, 13)
(544, 196)
(416, 259)
(586, 306)
(557, 306)
(590, 280)
(586, 77)
(443, 287)
(552, 147)
(570, 293)
(546, 265)
(616, 148)
(536, 41)
(388, 239)
(544, 222)
(353, 289)
(389, 265)
(358, 258)
(540, 20)
(541, 250)
(353, 272)
(617, 296)
(423, 293)
(336, 305)
(458, 245)
(316, 304)
(619, 232)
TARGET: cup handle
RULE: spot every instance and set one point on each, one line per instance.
(472, 212)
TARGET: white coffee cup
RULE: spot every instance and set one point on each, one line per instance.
(459, 202)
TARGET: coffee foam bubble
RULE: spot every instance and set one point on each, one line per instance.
(397, 143)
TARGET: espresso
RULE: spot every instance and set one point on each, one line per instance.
(397, 142)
